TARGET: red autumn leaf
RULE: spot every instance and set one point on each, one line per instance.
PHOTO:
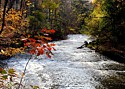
(33, 44)
(42, 41)
(37, 45)
(24, 41)
(44, 30)
(1, 69)
(27, 44)
(48, 55)
(40, 51)
(52, 31)
(32, 52)
(38, 54)
(32, 40)
(44, 46)
(49, 49)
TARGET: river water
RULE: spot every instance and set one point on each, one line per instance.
(71, 68)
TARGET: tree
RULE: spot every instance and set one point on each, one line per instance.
(106, 22)
(4, 14)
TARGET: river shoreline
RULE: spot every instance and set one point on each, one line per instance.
(112, 53)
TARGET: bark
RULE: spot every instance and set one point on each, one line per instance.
(4, 15)
(0, 4)
(21, 4)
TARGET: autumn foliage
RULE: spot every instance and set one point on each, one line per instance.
(16, 36)
(39, 44)
(16, 30)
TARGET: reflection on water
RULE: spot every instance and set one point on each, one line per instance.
(72, 68)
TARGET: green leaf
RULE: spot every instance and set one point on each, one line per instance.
(35, 87)
(4, 77)
(11, 71)
(2, 71)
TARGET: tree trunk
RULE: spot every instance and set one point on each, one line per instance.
(17, 3)
(4, 14)
(0, 4)
(21, 4)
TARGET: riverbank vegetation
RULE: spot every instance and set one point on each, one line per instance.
(21, 19)
(102, 19)
(106, 22)
(21, 30)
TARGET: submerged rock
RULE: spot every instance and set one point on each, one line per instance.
(84, 45)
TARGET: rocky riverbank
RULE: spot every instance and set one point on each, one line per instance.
(114, 53)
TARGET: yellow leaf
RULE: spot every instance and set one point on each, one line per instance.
(93, 1)
(2, 51)
(28, 35)
(23, 74)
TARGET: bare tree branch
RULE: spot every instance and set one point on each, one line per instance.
(24, 72)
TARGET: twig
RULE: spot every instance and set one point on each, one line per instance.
(24, 72)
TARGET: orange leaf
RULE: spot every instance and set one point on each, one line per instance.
(52, 44)
(48, 38)
(28, 35)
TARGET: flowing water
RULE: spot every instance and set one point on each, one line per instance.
(71, 68)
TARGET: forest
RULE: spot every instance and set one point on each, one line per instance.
(103, 20)
(33, 25)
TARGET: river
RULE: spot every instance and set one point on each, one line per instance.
(71, 68)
